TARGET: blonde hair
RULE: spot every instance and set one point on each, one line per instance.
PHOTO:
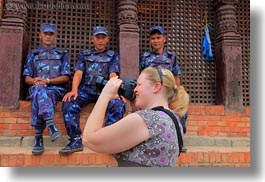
(177, 96)
(181, 101)
(168, 79)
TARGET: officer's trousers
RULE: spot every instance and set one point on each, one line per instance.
(43, 101)
(71, 111)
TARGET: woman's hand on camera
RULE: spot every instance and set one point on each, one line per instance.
(110, 90)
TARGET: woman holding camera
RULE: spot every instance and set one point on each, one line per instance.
(146, 137)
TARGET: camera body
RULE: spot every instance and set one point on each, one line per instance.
(126, 88)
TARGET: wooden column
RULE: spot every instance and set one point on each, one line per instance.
(14, 47)
(228, 57)
(128, 38)
(1, 9)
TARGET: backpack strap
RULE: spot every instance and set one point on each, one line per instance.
(175, 121)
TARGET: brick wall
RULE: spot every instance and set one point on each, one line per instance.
(202, 121)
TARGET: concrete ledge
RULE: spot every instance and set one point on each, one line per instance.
(27, 141)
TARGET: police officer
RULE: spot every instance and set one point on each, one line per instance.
(97, 61)
(47, 71)
(160, 55)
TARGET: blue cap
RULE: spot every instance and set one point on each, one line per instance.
(157, 28)
(47, 27)
(100, 30)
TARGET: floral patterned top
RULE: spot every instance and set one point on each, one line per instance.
(161, 149)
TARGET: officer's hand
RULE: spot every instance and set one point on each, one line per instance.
(69, 95)
(38, 80)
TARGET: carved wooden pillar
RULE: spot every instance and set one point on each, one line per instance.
(129, 38)
(14, 46)
(228, 57)
(1, 9)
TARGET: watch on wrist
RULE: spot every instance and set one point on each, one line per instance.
(48, 81)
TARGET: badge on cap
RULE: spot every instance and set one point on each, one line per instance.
(100, 30)
(157, 28)
(47, 27)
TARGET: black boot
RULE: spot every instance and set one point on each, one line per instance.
(75, 145)
(38, 147)
(53, 130)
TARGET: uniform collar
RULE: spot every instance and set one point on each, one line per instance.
(156, 53)
(94, 51)
(43, 49)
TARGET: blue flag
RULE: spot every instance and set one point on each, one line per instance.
(206, 45)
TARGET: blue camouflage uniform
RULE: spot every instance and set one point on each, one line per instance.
(92, 64)
(167, 60)
(46, 64)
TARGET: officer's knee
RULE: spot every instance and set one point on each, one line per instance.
(70, 107)
(38, 87)
(66, 106)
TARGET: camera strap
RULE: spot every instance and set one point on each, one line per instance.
(175, 121)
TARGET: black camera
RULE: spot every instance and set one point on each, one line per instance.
(126, 88)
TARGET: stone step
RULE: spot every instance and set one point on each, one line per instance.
(202, 152)
(197, 156)
(188, 141)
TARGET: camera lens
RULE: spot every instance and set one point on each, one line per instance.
(126, 88)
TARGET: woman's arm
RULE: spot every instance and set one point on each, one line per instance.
(117, 137)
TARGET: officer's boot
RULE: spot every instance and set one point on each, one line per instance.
(38, 147)
(75, 145)
(54, 133)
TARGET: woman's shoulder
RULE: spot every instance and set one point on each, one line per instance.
(151, 116)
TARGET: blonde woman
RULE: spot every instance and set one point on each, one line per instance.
(145, 137)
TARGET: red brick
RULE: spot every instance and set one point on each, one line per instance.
(20, 114)
(71, 159)
(248, 111)
(19, 126)
(245, 119)
(10, 133)
(218, 157)
(28, 160)
(220, 110)
(4, 161)
(212, 123)
(247, 157)
(20, 160)
(245, 129)
(24, 120)
(211, 110)
(25, 106)
(22, 133)
(4, 126)
(4, 114)
(36, 160)
(241, 157)
(212, 133)
(211, 156)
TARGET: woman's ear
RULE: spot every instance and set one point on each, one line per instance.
(157, 87)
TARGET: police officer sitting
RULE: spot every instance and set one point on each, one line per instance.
(47, 71)
(91, 63)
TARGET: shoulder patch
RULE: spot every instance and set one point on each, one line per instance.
(110, 53)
